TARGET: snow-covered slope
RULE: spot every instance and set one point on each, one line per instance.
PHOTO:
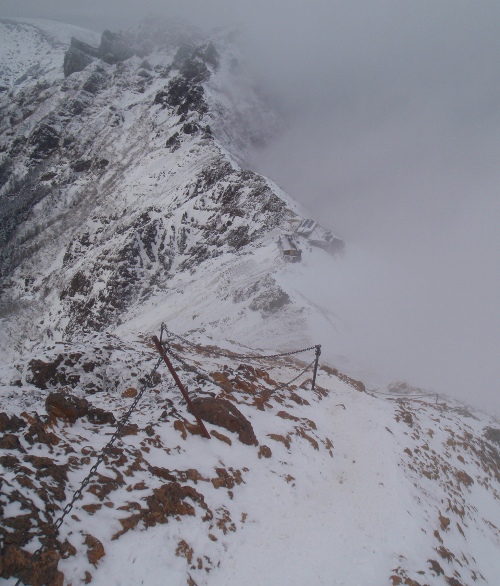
(125, 204)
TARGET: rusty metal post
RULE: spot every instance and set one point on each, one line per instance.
(163, 354)
(318, 353)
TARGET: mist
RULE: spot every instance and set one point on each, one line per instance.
(394, 143)
(391, 137)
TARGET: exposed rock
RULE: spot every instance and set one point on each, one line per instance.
(358, 385)
(96, 81)
(81, 165)
(114, 47)
(17, 563)
(100, 416)
(11, 442)
(75, 60)
(66, 406)
(223, 413)
(170, 500)
(190, 128)
(173, 143)
(44, 373)
(44, 141)
(37, 432)
(493, 435)
(12, 423)
(95, 549)
(265, 452)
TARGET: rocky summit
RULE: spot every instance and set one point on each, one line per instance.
(171, 411)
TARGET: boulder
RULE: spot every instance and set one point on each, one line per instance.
(223, 413)
(66, 406)
(12, 423)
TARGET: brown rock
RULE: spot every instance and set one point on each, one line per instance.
(12, 423)
(129, 393)
(92, 508)
(129, 429)
(63, 405)
(18, 563)
(265, 452)
(221, 437)
(436, 567)
(280, 438)
(95, 549)
(37, 432)
(227, 479)
(44, 373)
(100, 416)
(223, 413)
(11, 442)
(184, 550)
(179, 426)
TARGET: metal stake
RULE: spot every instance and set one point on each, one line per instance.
(318, 353)
(163, 354)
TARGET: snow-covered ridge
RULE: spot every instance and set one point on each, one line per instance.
(118, 177)
(31, 46)
(292, 490)
(124, 203)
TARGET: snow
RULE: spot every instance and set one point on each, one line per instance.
(357, 485)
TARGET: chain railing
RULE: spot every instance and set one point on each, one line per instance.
(163, 347)
(52, 532)
(234, 356)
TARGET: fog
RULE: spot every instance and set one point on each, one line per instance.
(391, 136)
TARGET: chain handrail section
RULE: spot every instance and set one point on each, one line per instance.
(104, 452)
(52, 531)
(207, 378)
(234, 356)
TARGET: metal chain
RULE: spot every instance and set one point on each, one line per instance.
(105, 451)
(235, 356)
(207, 378)
(52, 531)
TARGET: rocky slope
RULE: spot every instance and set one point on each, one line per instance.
(125, 204)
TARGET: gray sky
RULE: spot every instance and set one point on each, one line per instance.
(392, 137)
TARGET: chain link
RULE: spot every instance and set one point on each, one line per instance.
(104, 452)
(234, 356)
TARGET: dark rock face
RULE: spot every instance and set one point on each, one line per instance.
(96, 81)
(75, 60)
(223, 413)
(267, 297)
(114, 47)
(100, 416)
(64, 405)
(46, 374)
(190, 128)
(173, 143)
(10, 441)
(45, 140)
(493, 435)
(81, 165)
